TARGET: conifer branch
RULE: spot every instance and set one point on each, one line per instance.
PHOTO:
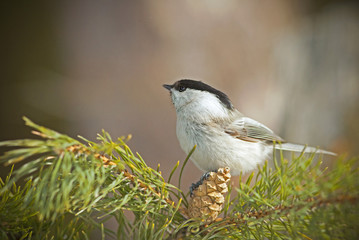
(284, 210)
(73, 187)
(80, 149)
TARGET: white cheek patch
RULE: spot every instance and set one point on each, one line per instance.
(200, 105)
(181, 99)
(209, 105)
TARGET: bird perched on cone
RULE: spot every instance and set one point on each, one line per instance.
(224, 137)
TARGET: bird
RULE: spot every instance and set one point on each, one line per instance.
(223, 136)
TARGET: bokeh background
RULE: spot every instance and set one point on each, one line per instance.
(79, 67)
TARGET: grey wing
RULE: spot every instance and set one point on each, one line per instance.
(247, 129)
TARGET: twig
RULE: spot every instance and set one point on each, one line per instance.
(316, 203)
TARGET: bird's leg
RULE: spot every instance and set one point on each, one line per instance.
(203, 177)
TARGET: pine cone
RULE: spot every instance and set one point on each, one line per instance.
(207, 199)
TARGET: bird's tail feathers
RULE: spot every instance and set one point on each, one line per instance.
(301, 148)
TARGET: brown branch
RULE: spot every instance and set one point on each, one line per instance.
(265, 213)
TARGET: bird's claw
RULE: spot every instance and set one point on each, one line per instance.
(194, 186)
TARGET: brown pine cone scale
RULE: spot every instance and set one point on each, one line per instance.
(208, 198)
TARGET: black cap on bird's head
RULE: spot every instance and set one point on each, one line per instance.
(184, 84)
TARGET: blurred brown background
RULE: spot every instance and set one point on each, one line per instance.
(79, 67)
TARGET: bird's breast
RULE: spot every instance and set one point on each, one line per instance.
(188, 134)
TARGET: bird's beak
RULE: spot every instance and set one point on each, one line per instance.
(168, 87)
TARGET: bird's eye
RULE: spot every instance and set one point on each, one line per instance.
(182, 88)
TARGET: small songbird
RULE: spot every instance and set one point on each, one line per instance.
(224, 137)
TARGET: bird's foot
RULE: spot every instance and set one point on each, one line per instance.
(194, 186)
